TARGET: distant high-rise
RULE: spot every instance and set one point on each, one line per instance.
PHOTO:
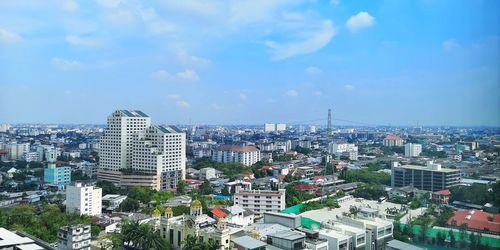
(329, 127)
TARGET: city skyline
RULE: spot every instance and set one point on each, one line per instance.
(196, 62)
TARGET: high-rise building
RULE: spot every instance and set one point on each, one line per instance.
(269, 127)
(115, 151)
(159, 149)
(329, 125)
(74, 237)
(83, 199)
(280, 127)
(412, 149)
(431, 177)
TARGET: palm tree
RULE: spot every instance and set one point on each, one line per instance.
(189, 243)
(212, 245)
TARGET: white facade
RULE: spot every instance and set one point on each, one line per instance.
(74, 237)
(260, 201)
(159, 149)
(246, 155)
(31, 156)
(4, 128)
(85, 200)
(412, 149)
(269, 127)
(15, 150)
(280, 127)
(115, 146)
(343, 149)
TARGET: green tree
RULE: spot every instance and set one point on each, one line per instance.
(107, 187)
(206, 188)
(181, 187)
(453, 240)
(129, 205)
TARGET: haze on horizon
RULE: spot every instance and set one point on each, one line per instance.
(251, 62)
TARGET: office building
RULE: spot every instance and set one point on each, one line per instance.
(269, 127)
(393, 140)
(74, 237)
(260, 201)
(159, 149)
(246, 155)
(57, 176)
(431, 177)
(343, 149)
(83, 199)
(412, 149)
(115, 146)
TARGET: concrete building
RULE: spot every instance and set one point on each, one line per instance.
(113, 201)
(32, 156)
(343, 149)
(158, 149)
(83, 199)
(19, 240)
(207, 174)
(15, 151)
(269, 127)
(248, 243)
(280, 127)
(336, 239)
(393, 140)
(59, 176)
(74, 237)
(412, 149)
(115, 146)
(246, 155)
(287, 240)
(260, 201)
(431, 177)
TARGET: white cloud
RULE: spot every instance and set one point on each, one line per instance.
(360, 21)
(69, 6)
(81, 41)
(109, 3)
(335, 2)
(188, 75)
(174, 97)
(192, 61)
(271, 100)
(243, 96)
(318, 93)
(311, 42)
(450, 45)
(292, 93)
(63, 64)
(215, 106)
(161, 75)
(348, 87)
(312, 70)
(121, 17)
(9, 36)
(183, 104)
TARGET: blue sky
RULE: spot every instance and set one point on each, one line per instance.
(251, 61)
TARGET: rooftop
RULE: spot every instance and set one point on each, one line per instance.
(248, 242)
(426, 168)
(288, 235)
(237, 148)
(393, 137)
(476, 219)
(402, 245)
(133, 113)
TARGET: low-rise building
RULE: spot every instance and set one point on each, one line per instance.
(392, 140)
(431, 177)
(246, 155)
(58, 176)
(260, 201)
(19, 240)
(74, 237)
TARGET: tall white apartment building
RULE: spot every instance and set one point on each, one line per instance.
(16, 150)
(412, 149)
(4, 128)
(280, 127)
(74, 237)
(343, 149)
(83, 199)
(159, 149)
(246, 155)
(115, 151)
(261, 201)
(269, 127)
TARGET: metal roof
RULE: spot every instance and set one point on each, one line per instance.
(248, 242)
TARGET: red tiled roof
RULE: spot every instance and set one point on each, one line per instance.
(237, 148)
(477, 220)
(267, 167)
(444, 192)
(305, 186)
(315, 178)
(393, 137)
(3, 152)
(218, 213)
